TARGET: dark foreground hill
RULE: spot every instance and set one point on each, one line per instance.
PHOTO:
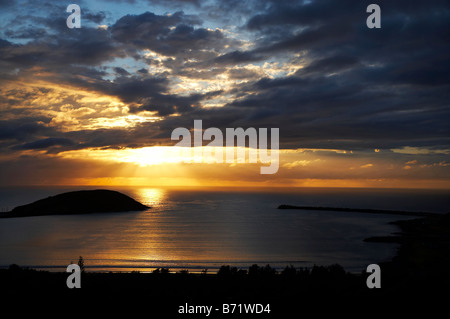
(79, 202)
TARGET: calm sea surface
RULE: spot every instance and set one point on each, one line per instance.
(196, 229)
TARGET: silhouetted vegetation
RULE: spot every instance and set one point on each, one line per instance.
(81, 263)
(227, 271)
(265, 271)
(14, 267)
(289, 271)
(423, 258)
(161, 271)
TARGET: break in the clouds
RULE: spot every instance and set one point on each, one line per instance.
(138, 69)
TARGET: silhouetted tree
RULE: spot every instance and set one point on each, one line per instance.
(165, 271)
(224, 271)
(14, 267)
(289, 271)
(156, 271)
(336, 271)
(161, 271)
(266, 271)
(241, 272)
(303, 272)
(81, 263)
(254, 270)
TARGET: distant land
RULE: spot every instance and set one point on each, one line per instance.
(78, 202)
(360, 210)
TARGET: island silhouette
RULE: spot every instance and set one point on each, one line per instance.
(78, 202)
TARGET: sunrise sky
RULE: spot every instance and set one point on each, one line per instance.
(356, 107)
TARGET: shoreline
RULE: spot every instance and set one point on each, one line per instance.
(195, 270)
(417, 271)
(197, 267)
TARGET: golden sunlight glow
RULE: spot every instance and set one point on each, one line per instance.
(150, 196)
(162, 166)
(72, 108)
(120, 121)
(156, 155)
(141, 156)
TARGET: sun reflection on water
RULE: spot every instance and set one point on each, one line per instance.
(152, 197)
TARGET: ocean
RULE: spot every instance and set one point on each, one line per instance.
(196, 229)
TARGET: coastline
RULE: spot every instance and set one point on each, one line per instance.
(408, 276)
(406, 236)
(432, 233)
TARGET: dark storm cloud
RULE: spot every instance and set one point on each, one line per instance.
(175, 3)
(121, 71)
(46, 143)
(4, 43)
(240, 74)
(305, 14)
(141, 30)
(26, 33)
(360, 103)
(144, 134)
(30, 133)
(323, 112)
(94, 17)
(131, 90)
(87, 47)
(166, 104)
(238, 57)
(329, 65)
(73, 55)
(22, 129)
(412, 32)
(170, 35)
(149, 94)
